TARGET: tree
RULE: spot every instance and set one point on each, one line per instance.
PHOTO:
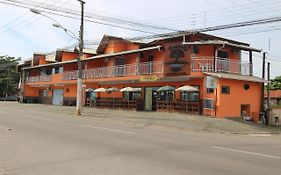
(9, 77)
(276, 83)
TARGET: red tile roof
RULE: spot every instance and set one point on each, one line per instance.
(273, 94)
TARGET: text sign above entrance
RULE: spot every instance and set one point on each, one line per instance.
(149, 78)
(211, 82)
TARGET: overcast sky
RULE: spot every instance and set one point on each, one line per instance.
(22, 33)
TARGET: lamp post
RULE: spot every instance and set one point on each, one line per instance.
(80, 57)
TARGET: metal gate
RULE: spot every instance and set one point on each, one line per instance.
(58, 97)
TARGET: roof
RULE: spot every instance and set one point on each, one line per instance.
(274, 94)
(155, 38)
(215, 42)
(160, 37)
(236, 77)
(101, 56)
(106, 39)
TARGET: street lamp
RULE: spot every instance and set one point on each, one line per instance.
(81, 46)
(56, 24)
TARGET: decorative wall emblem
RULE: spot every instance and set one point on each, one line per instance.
(176, 53)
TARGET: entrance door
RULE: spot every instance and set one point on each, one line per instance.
(223, 61)
(58, 97)
(148, 99)
(245, 111)
(120, 63)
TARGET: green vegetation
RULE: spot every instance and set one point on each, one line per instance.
(8, 76)
(276, 83)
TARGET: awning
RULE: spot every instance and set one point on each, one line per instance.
(216, 42)
(166, 88)
(236, 77)
(112, 89)
(128, 89)
(187, 88)
(89, 90)
(100, 90)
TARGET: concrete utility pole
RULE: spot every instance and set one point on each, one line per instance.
(263, 77)
(79, 62)
(268, 93)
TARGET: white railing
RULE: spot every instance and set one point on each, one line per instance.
(206, 64)
(41, 78)
(147, 68)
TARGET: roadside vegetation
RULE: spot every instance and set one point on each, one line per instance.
(9, 77)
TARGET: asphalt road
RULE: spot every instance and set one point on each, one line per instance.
(44, 142)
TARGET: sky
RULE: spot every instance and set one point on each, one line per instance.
(22, 32)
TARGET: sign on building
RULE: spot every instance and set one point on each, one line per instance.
(211, 82)
(149, 78)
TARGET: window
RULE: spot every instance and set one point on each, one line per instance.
(210, 90)
(49, 72)
(190, 96)
(209, 104)
(57, 70)
(225, 90)
(195, 49)
(246, 86)
(222, 54)
(150, 58)
(133, 95)
(166, 95)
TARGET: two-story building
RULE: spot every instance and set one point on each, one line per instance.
(152, 70)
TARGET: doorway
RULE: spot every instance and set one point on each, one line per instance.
(58, 97)
(245, 110)
(150, 98)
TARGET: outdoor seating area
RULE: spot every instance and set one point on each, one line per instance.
(178, 106)
(165, 100)
(115, 104)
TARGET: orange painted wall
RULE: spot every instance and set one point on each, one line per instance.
(71, 91)
(70, 67)
(229, 105)
(42, 60)
(95, 63)
(119, 46)
(33, 72)
(31, 91)
(66, 56)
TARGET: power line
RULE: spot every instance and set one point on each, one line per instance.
(88, 15)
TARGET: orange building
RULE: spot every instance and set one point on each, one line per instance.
(225, 85)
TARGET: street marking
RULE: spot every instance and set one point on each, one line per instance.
(247, 152)
(108, 129)
(259, 135)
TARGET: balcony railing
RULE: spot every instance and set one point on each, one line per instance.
(147, 68)
(41, 78)
(206, 64)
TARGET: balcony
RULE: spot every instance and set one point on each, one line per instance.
(206, 64)
(147, 68)
(41, 78)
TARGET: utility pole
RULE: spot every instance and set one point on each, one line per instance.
(268, 93)
(8, 82)
(262, 93)
(79, 62)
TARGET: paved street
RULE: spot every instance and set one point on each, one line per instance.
(44, 140)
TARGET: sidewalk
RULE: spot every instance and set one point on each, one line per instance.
(154, 119)
(179, 121)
